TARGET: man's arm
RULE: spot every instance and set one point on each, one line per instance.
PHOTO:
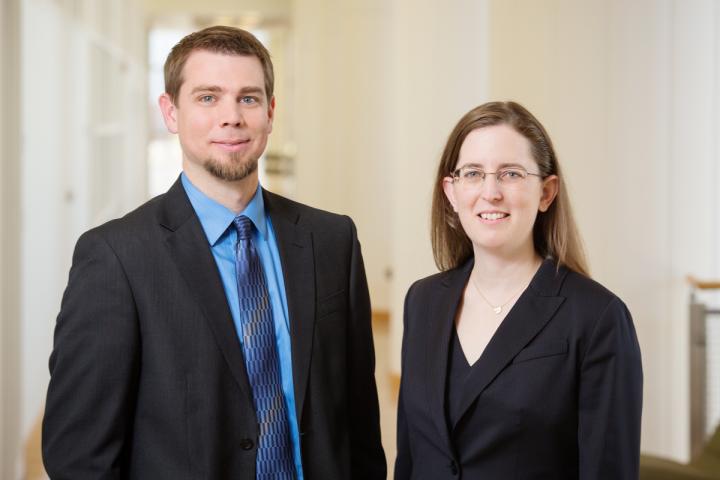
(93, 369)
(368, 458)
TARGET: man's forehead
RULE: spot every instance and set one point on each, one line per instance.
(212, 57)
(222, 71)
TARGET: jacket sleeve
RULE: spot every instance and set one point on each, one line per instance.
(610, 399)
(403, 460)
(368, 457)
(93, 369)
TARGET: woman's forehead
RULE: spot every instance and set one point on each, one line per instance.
(494, 147)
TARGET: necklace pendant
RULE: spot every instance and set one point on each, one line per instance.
(497, 310)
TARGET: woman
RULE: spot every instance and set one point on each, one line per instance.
(515, 364)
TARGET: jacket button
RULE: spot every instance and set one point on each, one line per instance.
(453, 468)
(246, 444)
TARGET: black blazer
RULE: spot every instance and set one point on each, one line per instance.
(147, 375)
(556, 394)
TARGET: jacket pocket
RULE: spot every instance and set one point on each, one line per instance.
(541, 350)
(332, 303)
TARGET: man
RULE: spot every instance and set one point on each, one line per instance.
(219, 331)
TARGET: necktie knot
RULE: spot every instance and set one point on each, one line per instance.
(244, 227)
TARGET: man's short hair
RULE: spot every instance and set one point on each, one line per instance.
(217, 39)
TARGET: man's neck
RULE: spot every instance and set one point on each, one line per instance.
(233, 195)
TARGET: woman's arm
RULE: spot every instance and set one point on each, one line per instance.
(610, 399)
(403, 461)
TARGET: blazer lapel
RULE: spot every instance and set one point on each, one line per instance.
(298, 266)
(442, 316)
(531, 313)
(188, 246)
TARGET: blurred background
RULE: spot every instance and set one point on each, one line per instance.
(367, 92)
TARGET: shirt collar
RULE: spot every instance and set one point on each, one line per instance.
(215, 218)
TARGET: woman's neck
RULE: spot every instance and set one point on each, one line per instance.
(497, 273)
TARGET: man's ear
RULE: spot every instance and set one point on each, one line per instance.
(169, 112)
(271, 113)
(449, 191)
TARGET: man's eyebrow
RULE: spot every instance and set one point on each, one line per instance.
(258, 90)
(206, 88)
(216, 89)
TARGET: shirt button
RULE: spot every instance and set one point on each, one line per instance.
(453, 468)
(246, 444)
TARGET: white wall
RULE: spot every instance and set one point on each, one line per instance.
(9, 235)
(82, 161)
(3, 335)
(378, 85)
(228, 8)
(343, 121)
(629, 93)
(44, 262)
(440, 71)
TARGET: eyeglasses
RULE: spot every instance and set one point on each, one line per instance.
(472, 176)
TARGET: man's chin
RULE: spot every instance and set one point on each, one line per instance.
(232, 170)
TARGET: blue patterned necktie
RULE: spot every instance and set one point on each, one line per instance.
(274, 456)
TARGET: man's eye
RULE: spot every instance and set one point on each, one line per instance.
(206, 99)
(248, 100)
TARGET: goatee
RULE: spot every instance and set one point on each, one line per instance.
(233, 169)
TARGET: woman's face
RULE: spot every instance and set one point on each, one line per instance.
(498, 216)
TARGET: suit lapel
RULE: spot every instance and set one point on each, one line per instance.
(188, 246)
(533, 310)
(442, 315)
(298, 266)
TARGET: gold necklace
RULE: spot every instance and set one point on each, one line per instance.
(496, 308)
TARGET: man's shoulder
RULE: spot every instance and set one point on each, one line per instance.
(305, 215)
(136, 220)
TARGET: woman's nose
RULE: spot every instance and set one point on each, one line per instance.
(490, 187)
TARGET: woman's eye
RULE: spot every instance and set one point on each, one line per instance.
(473, 173)
(511, 174)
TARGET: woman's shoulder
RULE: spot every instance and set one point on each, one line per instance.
(584, 287)
(584, 294)
(429, 282)
(426, 287)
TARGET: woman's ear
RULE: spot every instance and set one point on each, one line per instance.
(549, 192)
(449, 192)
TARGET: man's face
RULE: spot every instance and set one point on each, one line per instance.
(221, 114)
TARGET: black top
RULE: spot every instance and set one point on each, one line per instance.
(458, 370)
(556, 393)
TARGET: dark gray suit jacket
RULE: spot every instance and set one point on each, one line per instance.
(147, 375)
(556, 395)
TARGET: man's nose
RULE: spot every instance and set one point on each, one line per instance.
(231, 115)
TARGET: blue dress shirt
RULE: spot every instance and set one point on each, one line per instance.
(216, 221)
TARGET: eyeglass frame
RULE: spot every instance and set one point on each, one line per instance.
(455, 175)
